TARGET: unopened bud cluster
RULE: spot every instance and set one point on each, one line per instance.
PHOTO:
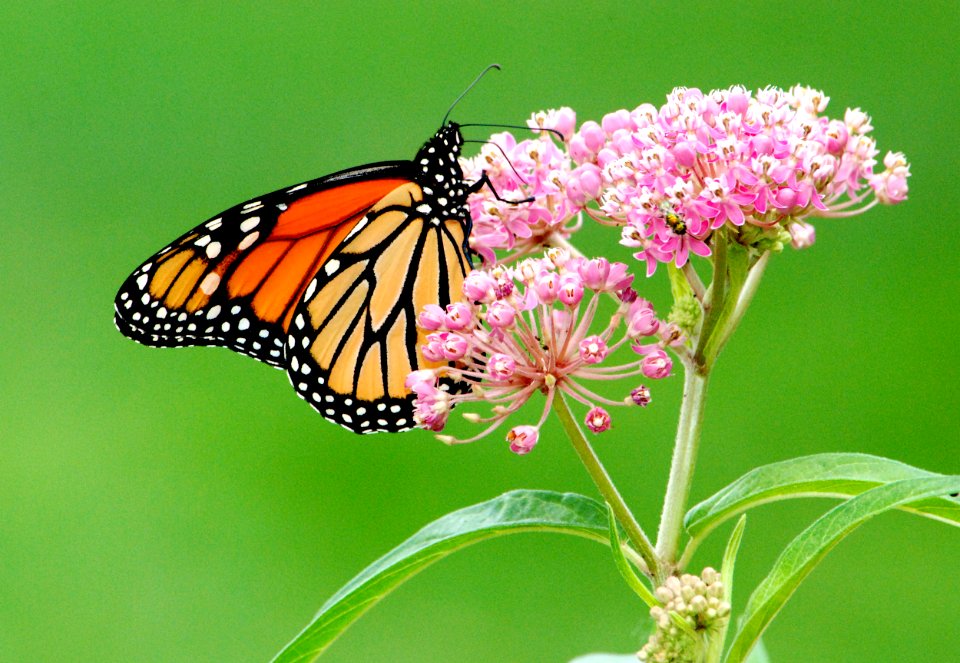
(698, 601)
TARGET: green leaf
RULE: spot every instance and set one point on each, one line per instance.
(632, 579)
(803, 553)
(513, 512)
(821, 475)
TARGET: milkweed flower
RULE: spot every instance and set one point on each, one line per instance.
(536, 169)
(537, 328)
(760, 164)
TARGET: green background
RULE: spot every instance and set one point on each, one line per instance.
(185, 506)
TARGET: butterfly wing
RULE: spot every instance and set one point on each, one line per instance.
(354, 337)
(234, 280)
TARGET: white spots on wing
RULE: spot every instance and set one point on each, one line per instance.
(331, 267)
(401, 422)
(256, 346)
(203, 241)
(299, 322)
(124, 296)
(213, 312)
(146, 298)
(297, 188)
(243, 325)
(427, 190)
(282, 207)
(395, 408)
(306, 342)
(251, 207)
(225, 326)
(136, 315)
(312, 288)
(305, 369)
(264, 333)
(347, 418)
(215, 223)
(234, 310)
(274, 353)
(250, 224)
(328, 398)
(248, 241)
(295, 363)
(315, 397)
(142, 281)
(438, 177)
(424, 209)
(381, 407)
(291, 341)
(442, 201)
(162, 312)
(191, 327)
(361, 411)
(213, 250)
(146, 267)
(210, 283)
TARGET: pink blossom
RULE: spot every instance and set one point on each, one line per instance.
(641, 396)
(598, 420)
(657, 365)
(541, 335)
(673, 176)
(593, 350)
(523, 439)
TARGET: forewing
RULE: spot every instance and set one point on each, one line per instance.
(234, 280)
(353, 337)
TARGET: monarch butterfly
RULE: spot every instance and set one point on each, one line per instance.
(323, 279)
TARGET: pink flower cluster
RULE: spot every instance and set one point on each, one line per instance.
(535, 168)
(531, 328)
(758, 164)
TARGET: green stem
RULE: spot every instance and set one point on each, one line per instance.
(609, 491)
(684, 460)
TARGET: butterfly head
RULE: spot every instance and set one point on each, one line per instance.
(439, 169)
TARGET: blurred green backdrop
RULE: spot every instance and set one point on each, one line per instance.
(185, 506)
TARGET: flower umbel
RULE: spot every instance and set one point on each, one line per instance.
(536, 167)
(759, 164)
(534, 328)
(697, 601)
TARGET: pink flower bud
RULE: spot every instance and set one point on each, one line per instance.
(593, 350)
(593, 135)
(598, 420)
(500, 314)
(656, 365)
(431, 318)
(641, 319)
(458, 316)
(570, 291)
(616, 120)
(523, 439)
(802, 235)
(423, 377)
(479, 286)
(455, 346)
(501, 367)
(546, 285)
(433, 349)
(641, 396)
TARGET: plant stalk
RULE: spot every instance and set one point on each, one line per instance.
(684, 460)
(607, 489)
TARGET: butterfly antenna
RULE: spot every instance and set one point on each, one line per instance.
(516, 126)
(505, 157)
(469, 87)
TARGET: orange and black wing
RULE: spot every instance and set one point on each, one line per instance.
(235, 280)
(353, 337)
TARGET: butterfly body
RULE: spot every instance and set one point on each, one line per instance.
(322, 279)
